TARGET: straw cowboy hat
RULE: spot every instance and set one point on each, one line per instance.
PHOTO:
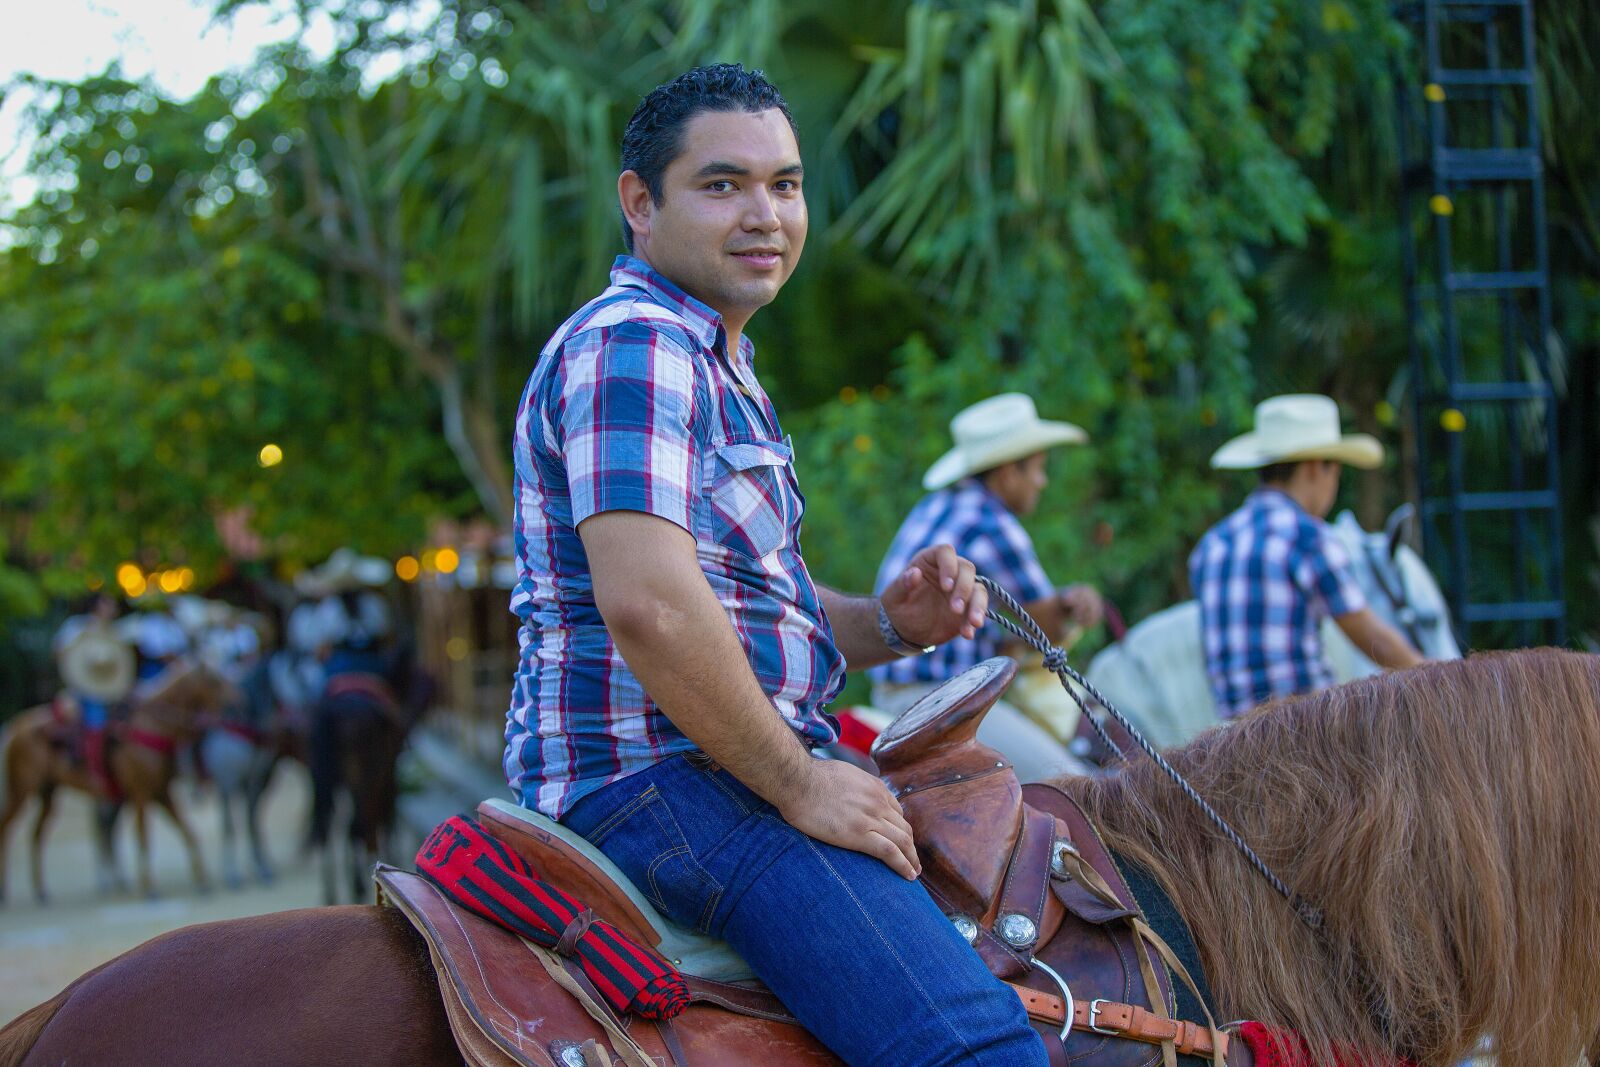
(1296, 427)
(996, 431)
(96, 664)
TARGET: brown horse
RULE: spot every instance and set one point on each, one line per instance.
(142, 765)
(1440, 819)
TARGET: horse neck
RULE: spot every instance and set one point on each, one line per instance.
(1434, 817)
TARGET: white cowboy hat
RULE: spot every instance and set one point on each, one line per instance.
(348, 569)
(995, 431)
(1295, 427)
(96, 664)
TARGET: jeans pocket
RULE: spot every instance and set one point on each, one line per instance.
(643, 838)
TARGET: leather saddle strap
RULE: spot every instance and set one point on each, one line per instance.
(1115, 1019)
(578, 985)
(1027, 883)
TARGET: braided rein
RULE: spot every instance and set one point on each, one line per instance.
(1027, 630)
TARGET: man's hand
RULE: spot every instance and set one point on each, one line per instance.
(936, 598)
(847, 807)
(1081, 605)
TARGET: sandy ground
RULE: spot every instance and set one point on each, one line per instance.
(42, 948)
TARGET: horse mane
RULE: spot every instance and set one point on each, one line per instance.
(1442, 819)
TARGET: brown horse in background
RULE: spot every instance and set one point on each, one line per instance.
(141, 762)
(1441, 819)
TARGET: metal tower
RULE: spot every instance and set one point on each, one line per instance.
(1478, 302)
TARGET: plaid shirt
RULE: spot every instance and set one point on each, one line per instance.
(1266, 576)
(981, 528)
(635, 405)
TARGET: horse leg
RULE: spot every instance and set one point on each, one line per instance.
(230, 860)
(255, 789)
(47, 799)
(196, 862)
(141, 829)
(109, 877)
(15, 799)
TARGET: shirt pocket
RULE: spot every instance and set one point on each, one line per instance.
(754, 503)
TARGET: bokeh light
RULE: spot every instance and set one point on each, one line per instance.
(447, 560)
(406, 568)
(270, 455)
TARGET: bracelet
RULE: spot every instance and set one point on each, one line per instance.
(891, 637)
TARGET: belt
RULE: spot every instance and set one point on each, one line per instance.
(1115, 1019)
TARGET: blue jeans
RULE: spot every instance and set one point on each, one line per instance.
(860, 955)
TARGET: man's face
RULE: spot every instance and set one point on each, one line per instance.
(1019, 484)
(732, 218)
(1327, 486)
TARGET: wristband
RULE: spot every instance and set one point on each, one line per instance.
(891, 637)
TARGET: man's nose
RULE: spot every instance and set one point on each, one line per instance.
(760, 211)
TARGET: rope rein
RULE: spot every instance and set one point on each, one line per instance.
(1027, 630)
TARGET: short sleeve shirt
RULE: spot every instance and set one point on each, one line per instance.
(981, 528)
(1266, 577)
(636, 405)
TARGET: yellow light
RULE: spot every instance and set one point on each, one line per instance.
(1440, 204)
(129, 574)
(406, 568)
(863, 443)
(430, 560)
(171, 581)
(1433, 92)
(446, 560)
(135, 588)
(270, 455)
(185, 579)
(848, 394)
(1385, 413)
(1452, 420)
(96, 584)
(456, 648)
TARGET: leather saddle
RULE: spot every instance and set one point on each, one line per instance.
(1019, 870)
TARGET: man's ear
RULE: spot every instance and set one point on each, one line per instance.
(638, 207)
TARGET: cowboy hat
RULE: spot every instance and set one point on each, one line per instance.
(96, 664)
(1295, 427)
(348, 569)
(996, 431)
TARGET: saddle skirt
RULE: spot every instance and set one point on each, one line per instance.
(1051, 895)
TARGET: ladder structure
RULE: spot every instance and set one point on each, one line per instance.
(1483, 401)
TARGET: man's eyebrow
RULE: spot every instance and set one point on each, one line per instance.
(719, 166)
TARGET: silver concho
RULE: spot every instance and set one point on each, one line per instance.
(966, 928)
(1016, 930)
(572, 1056)
(1058, 856)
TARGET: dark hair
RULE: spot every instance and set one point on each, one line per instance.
(654, 136)
(1279, 473)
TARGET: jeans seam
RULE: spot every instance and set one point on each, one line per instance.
(889, 945)
(609, 823)
(711, 776)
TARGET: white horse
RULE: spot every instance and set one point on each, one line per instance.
(1156, 674)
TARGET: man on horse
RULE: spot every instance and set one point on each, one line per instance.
(977, 493)
(677, 656)
(1268, 574)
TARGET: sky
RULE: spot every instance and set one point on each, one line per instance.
(172, 41)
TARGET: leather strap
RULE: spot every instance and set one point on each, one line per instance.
(1115, 1019)
(1027, 885)
(568, 944)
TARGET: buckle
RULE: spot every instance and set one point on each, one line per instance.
(1094, 1013)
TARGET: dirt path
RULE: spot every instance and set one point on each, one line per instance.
(44, 948)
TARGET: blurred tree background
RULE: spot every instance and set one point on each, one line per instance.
(1145, 213)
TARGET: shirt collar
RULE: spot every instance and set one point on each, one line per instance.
(705, 323)
(1270, 496)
